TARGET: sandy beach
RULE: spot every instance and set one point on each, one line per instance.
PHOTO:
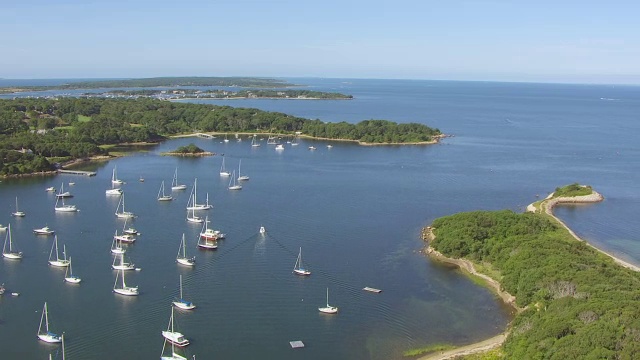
(545, 205)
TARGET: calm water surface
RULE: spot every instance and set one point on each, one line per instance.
(355, 211)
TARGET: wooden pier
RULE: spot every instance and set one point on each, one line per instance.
(205, 136)
(77, 172)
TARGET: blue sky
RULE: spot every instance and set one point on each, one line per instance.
(546, 41)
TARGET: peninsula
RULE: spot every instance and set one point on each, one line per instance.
(189, 94)
(572, 300)
(36, 133)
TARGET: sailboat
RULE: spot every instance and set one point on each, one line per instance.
(58, 261)
(182, 258)
(18, 213)
(194, 195)
(174, 355)
(241, 177)
(10, 253)
(69, 277)
(126, 238)
(123, 214)
(114, 178)
(114, 190)
(328, 309)
(62, 193)
(262, 230)
(173, 336)
(174, 182)
(254, 142)
(64, 207)
(191, 217)
(223, 170)
(298, 269)
(161, 194)
(182, 303)
(124, 289)
(121, 265)
(294, 141)
(233, 184)
(129, 231)
(116, 245)
(44, 334)
(272, 140)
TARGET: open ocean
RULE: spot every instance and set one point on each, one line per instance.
(355, 211)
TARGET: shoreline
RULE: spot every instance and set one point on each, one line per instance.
(467, 266)
(436, 138)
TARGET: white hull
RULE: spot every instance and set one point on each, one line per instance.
(66, 208)
(328, 310)
(128, 291)
(235, 187)
(18, 214)
(186, 262)
(13, 255)
(175, 338)
(118, 250)
(243, 178)
(43, 231)
(123, 267)
(184, 305)
(125, 238)
(50, 338)
(207, 245)
(179, 187)
(73, 279)
(59, 263)
(302, 272)
(165, 198)
(225, 173)
(194, 219)
(125, 215)
(116, 192)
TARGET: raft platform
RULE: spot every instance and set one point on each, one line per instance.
(373, 290)
(77, 172)
(296, 344)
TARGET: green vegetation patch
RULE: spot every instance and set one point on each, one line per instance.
(82, 118)
(574, 189)
(188, 149)
(580, 304)
(427, 349)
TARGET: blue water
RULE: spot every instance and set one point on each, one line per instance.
(355, 211)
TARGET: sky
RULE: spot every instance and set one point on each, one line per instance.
(533, 41)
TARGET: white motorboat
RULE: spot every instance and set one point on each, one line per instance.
(262, 230)
(43, 231)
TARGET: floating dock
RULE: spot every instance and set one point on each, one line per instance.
(373, 290)
(205, 136)
(77, 172)
(296, 344)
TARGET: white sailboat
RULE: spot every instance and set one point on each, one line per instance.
(328, 309)
(174, 337)
(223, 170)
(262, 230)
(174, 355)
(254, 142)
(182, 258)
(298, 268)
(60, 262)
(272, 140)
(233, 184)
(43, 231)
(10, 253)
(62, 193)
(194, 195)
(123, 289)
(43, 333)
(129, 231)
(174, 182)
(116, 245)
(114, 178)
(240, 176)
(192, 217)
(161, 194)
(64, 207)
(18, 213)
(114, 191)
(122, 213)
(121, 265)
(182, 303)
(294, 141)
(69, 277)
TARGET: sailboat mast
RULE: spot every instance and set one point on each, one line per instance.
(46, 317)
(180, 289)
